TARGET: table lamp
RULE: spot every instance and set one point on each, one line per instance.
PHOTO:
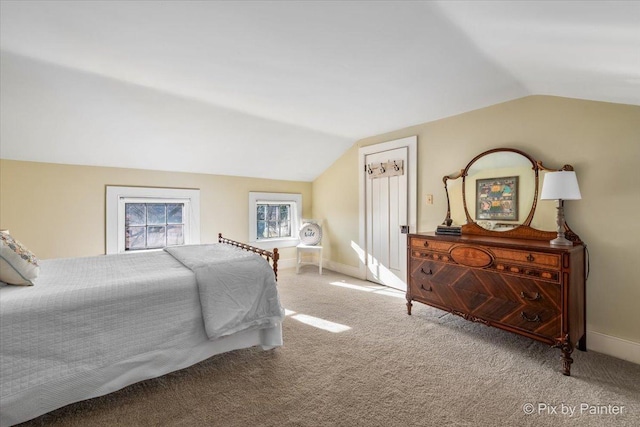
(560, 186)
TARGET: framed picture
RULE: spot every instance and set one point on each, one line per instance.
(497, 198)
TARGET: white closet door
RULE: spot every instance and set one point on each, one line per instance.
(386, 210)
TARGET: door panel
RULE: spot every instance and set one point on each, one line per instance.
(386, 211)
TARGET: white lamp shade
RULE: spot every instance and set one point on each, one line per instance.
(561, 185)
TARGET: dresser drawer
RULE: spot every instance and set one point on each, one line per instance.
(531, 271)
(434, 293)
(434, 245)
(543, 322)
(430, 283)
(537, 295)
(497, 305)
(426, 254)
(426, 291)
(534, 318)
(484, 258)
(435, 272)
(535, 259)
(520, 290)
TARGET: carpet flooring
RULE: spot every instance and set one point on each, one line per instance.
(353, 357)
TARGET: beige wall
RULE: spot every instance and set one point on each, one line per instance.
(335, 203)
(59, 210)
(601, 140)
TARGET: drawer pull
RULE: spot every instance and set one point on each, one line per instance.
(528, 319)
(530, 258)
(426, 243)
(528, 298)
(428, 273)
(425, 289)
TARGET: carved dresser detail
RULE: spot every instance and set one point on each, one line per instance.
(501, 271)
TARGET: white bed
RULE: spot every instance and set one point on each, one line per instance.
(94, 325)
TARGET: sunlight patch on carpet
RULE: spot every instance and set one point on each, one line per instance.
(320, 323)
(381, 290)
(358, 287)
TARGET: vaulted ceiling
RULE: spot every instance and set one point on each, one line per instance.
(283, 88)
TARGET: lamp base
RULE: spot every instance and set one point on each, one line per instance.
(561, 241)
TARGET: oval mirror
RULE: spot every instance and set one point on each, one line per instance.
(500, 188)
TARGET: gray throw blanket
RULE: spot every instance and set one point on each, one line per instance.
(237, 288)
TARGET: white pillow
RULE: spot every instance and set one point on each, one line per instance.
(18, 265)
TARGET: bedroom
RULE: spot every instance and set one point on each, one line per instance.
(85, 101)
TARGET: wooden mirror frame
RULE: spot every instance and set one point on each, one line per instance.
(522, 231)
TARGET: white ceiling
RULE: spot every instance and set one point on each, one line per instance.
(322, 74)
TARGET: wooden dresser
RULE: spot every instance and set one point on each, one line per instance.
(527, 287)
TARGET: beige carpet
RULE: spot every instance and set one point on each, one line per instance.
(386, 369)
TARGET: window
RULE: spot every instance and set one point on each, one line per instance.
(274, 219)
(151, 218)
(152, 225)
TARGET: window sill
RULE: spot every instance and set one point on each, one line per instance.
(275, 243)
(141, 251)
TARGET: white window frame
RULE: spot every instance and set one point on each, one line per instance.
(117, 196)
(295, 200)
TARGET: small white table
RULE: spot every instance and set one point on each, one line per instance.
(309, 248)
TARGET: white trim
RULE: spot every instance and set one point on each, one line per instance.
(296, 219)
(411, 142)
(613, 346)
(287, 263)
(337, 267)
(347, 270)
(114, 239)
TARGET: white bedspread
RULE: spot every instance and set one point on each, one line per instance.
(93, 325)
(237, 288)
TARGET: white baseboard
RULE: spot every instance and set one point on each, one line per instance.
(613, 346)
(287, 263)
(342, 268)
(328, 264)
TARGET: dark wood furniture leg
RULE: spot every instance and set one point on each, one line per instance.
(566, 348)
